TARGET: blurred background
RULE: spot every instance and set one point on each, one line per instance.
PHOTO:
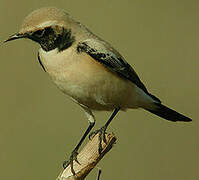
(39, 126)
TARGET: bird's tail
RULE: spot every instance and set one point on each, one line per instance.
(167, 113)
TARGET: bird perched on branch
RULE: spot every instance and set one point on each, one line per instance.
(88, 70)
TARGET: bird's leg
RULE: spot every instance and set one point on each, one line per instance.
(102, 130)
(75, 151)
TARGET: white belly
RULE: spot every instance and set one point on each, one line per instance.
(88, 82)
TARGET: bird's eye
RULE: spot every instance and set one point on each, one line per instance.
(39, 33)
(48, 30)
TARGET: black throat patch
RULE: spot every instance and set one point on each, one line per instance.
(52, 37)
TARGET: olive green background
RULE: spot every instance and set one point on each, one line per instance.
(39, 126)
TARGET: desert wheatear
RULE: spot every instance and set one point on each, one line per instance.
(88, 69)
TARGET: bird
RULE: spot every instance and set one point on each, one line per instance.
(88, 70)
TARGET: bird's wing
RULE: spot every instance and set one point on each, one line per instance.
(111, 59)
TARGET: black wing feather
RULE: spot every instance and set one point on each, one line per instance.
(116, 64)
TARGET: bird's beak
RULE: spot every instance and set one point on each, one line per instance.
(16, 36)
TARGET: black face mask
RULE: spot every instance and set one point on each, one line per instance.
(48, 38)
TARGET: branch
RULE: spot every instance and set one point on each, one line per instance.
(88, 158)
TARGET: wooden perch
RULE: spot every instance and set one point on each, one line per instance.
(88, 158)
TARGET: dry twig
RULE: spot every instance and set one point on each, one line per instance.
(88, 158)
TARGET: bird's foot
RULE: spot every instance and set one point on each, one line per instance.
(102, 133)
(73, 157)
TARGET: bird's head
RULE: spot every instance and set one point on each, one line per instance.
(49, 26)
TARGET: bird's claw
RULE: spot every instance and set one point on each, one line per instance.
(102, 133)
(73, 157)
